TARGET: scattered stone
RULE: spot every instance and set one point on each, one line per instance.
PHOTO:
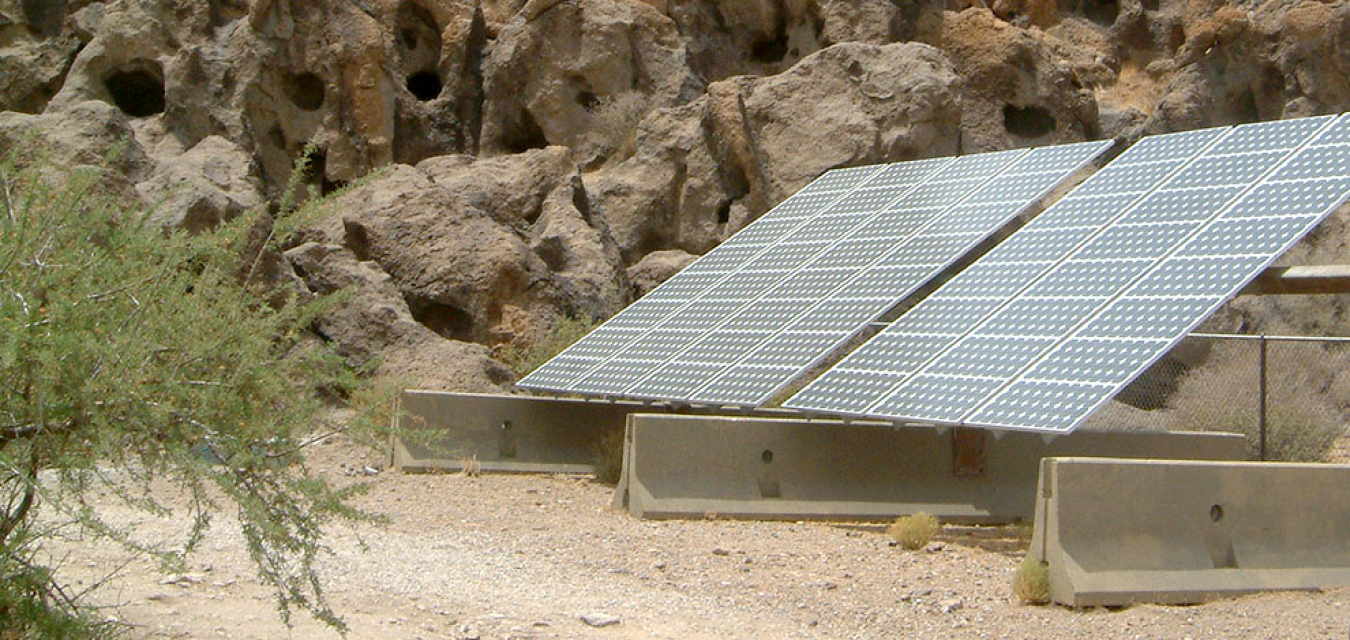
(599, 619)
(721, 552)
(183, 579)
(951, 604)
(935, 547)
(370, 471)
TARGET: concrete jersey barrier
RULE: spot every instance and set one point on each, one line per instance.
(503, 433)
(1116, 532)
(678, 466)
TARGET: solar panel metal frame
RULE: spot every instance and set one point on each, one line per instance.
(1268, 177)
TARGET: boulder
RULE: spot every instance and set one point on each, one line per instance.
(90, 134)
(210, 183)
(485, 251)
(655, 268)
(374, 322)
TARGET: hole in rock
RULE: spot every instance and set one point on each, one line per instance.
(554, 254)
(425, 85)
(446, 320)
(1245, 109)
(276, 137)
(409, 38)
(305, 90)
(767, 456)
(1216, 513)
(527, 135)
(137, 92)
(587, 100)
(1027, 122)
(316, 173)
(44, 17)
(724, 213)
(357, 239)
(1101, 11)
(769, 50)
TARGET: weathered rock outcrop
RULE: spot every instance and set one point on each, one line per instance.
(555, 65)
(701, 171)
(555, 158)
(1020, 93)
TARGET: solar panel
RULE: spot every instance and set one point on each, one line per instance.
(842, 233)
(961, 206)
(1076, 315)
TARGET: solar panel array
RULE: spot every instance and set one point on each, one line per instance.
(1053, 322)
(747, 318)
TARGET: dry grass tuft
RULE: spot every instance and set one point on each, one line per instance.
(527, 358)
(916, 531)
(616, 119)
(1031, 582)
(470, 466)
(609, 457)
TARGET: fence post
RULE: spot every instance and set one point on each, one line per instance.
(1262, 403)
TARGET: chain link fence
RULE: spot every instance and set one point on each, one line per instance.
(1290, 396)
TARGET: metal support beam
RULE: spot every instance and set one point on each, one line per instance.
(1323, 279)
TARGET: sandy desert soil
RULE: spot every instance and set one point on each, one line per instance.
(528, 556)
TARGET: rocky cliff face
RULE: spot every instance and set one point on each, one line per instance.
(558, 157)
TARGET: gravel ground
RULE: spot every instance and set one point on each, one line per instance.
(529, 556)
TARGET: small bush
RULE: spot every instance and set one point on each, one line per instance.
(916, 531)
(1031, 582)
(1302, 421)
(609, 457)
(525, 359)
(617, 117)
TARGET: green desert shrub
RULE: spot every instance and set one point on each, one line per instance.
(526, 358)
(131, 356)
(916, 531)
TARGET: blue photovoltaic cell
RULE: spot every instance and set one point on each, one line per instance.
(1175, 226)
(990, 356)
(814, 272)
